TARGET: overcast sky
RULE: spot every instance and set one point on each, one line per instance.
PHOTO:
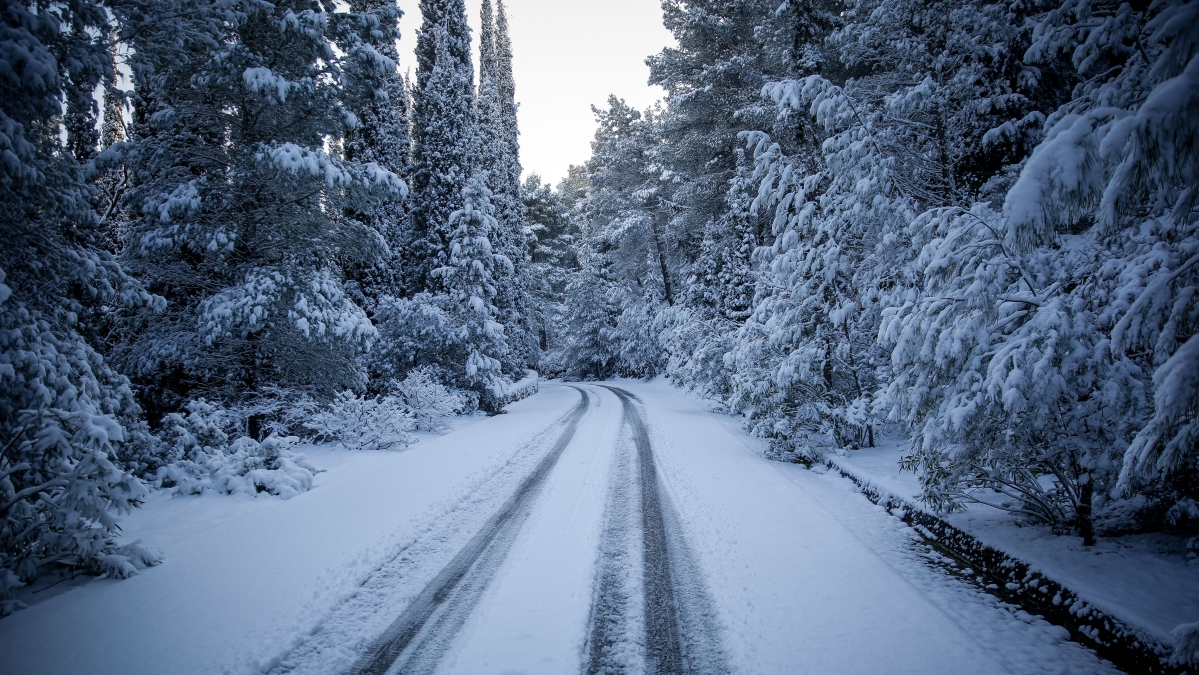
(568, 55)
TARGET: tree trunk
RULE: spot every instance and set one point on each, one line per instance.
(1086, 526)
(662, 260)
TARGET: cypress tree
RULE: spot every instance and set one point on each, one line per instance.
(381, 136)
(515, 305)
(444, 137)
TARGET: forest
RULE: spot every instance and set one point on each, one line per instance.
(229, 225)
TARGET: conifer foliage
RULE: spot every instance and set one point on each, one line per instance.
(224, 253)
(239, 217)
(69, 427)
(444, 136)
(969, 222)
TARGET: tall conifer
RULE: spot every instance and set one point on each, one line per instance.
(381, 136)
(514, 302)
(444, 137)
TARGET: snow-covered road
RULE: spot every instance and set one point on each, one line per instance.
(598, 529)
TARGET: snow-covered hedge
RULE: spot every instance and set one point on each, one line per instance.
(201, 457)
(523, 388)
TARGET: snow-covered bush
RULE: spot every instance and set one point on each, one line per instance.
(426, 400)
(202, 457)
(1186, 644)
(362, 422)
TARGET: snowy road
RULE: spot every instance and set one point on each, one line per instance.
(615, 528)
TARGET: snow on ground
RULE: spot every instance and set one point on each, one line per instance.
(808, 576)
(533, 617)
(1145, 580)
(246, 578)
(804, 575)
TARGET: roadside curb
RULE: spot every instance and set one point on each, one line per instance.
(1018, 583)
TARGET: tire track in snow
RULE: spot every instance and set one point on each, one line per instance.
(613, 642)
(680, 628)
(430, 621)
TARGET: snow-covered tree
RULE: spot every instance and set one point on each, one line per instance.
(1025, 361)
(553, 236)
(113, 182)
(713, 77)
(380, 134)
(592, 344)
(720, 290)
(1125, 153)
(468, 288)
(909, 131)
(508, 204)
(68, 420)
(628, 199)
(499, 158)
(239, 215)
(444, 136)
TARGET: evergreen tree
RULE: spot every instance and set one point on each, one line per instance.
(239, 217)
(68, 420)
(500, 156)
(113, 182)
(1025, 363)
(553, 237)
(380, 135)
(629, 200)
(513, 214)
(713, 78)
(720, 290)
(469, 288)
(592, 342)
(444, 136)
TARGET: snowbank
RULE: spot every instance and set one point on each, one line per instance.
(1147, 580)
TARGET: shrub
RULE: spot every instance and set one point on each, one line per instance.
(428, 401)
(200, 457)
(362, 422)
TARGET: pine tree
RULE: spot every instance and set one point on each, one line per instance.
(1025, 364)
(493, 143)
(112, 182)
(719, 297)
(592, 342)
(513, 214)
(629, 199)
(500, 156)
(444, 138)
(553, 238)
(239, 216)
(68, 420)
(713, 78)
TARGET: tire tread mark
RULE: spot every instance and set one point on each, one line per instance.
(392, 643)
(663, 645)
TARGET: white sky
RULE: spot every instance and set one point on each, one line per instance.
(567, 56)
